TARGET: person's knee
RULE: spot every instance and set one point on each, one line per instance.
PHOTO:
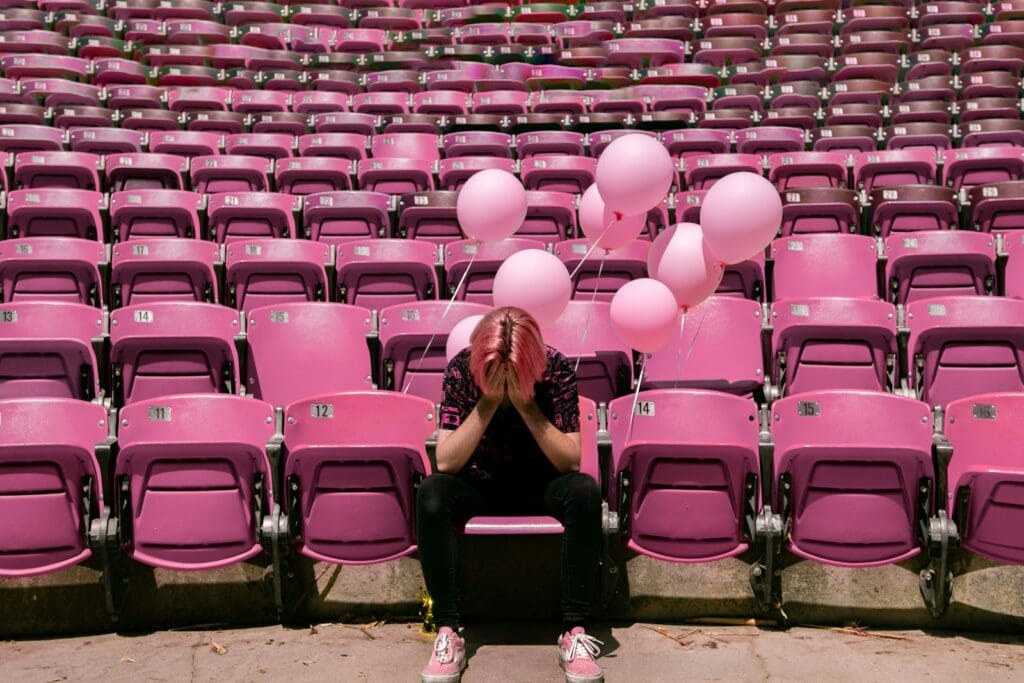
(582, 490)
(433, 495)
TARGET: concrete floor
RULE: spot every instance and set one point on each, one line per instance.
(511, 653)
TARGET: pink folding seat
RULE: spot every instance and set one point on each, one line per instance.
(549, 142)
(230, 173)
(605, 368)
(412, 337)
(501, 102)
(337, 217)
(477, 143)
(226, 122)
(384, 272)
(105, 141)
(687, 206)
(46, 169)
(701, 172)
(766, 140)
(789, 170)
(381, 103)
(894, 17)
(56, 92)
(246, 12)
(833, 343)
(53, 483)
(919, 135)
(691, 142)
(981, 166)
(320, 102)
(185, 9)
(744, 280)
(198, 99)
(998, 207)
(149, 120)
(35, 43)
(601, 274)
(429, 216)
(730, 119)
(350, 146)
(749, 96)
(894, 167)
(810, 20)
(268, 272)
(309, 175)
(726, 51)
(962, 346)
(792, 94)
(22, 114)
(912, 208)
(323, 451)
(800, 44)
(51, 269)
(250, 215)
(148, 270)
(826, 265)
(440, 102)
(980, 108)
(670, 8)
(717, 348)
(924, 111)
(984, 476)
(939, 264)
(550, 216)
(291, 329)
(155, 213)
(558, 173)
(597, 141)
(196, 32)
(30, 138)
(145, 171)
(855, 114)
(55, 212)
(680, 100)
(48, 350)
(185, 143)
(401, 163)
(162, 348)
(201, 461)
(819, 209)
(845, 138)
(267, 145)
(930, 88)
(685, 493)
(992, 133)
(453, 173)
(827, 465)
(474, 264)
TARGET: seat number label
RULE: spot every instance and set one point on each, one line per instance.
(321, 411)
(644, 408)
(158, 413)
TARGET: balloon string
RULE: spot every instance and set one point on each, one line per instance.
(590, 310)
(679, 348)
(591, 250)
(700, 324)
(636, 396)
(444, 314)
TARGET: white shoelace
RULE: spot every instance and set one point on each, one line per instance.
(583, 646)
(443, 648)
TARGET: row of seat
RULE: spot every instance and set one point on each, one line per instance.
(325, 481)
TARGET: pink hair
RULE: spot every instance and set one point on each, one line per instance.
(508, 335)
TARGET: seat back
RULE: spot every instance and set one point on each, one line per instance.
(351, 484)
(853, 475)
(685, 472)
(335, 217)
(985, 491)
(173, 347)
(584, 331)
(382, 272)
(50, 482)
(478, 262)
(825, 265)
(600, 275)
(550, 216)
(50, 212)
(155, 213)
(237, 216)
(150, 270)
(51, 269)
(938, 264)
(264, 272)
(193, 479)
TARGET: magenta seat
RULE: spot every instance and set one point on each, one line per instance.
(150, 270)
(407, 364)
(690, 142)
(939, 264)
(477, 143)
(47, 350)
(765, 140)
(55, 212)
(605, 368)
(811, 210)
(265, 272)
(51, 269)
(481, 260)
(428, 216)
(95, 140)
(960, 346)
(336, 217)
(717, 348)
(550, 216)
(286, 360)
(30, 138)
(145, 171)
(351, 486)
(210, 174)
(982, 165)
(1013, 276)
(998, 207)
(789, 170)
(378, 273)
(744, 279)
(250, 215)
(603, 272)
(558, 173)
(193, 479)
(173, 347)
(50, 481)
(702, 171)
(75, 170)
(913, 208)
(825, 265)
(350, 146)
(833, 343)
(686, 489)
(155, 213)
(852, 490)
(186, 143)
(454, 172)
(894, 167)
(985, 477)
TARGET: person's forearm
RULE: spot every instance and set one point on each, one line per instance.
(562, 450)
(458, 446)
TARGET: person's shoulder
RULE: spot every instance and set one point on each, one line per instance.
(558, 361)
(460, 361)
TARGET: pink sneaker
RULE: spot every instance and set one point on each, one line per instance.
(576, 653)
(448, 659)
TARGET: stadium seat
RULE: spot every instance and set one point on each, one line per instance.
(453, 173)
(825, 265)
(686, 490)
(598, 276)
(53, 483)
(412, 339)
(55, 212)
(173, 347)
(229, 173)
(960, 346)
(964, 168)
(155, 213)
(912, 208)
(894, 167)
(105, 140)
(51, 269)
(75, 170)
(789, 170)
(478, 262)
(378, 273)
(557, 173)
(939, 263)
(338, 463)
(249, 215)
(193, 480)
(264, 272)
(150, 270)
(428, 216)
(48, 350)
(998, 207)
(145, 171)
(550, 217)
(605, 364)
(701, 172)
(811, 210)
(336, 217)
(833, 343)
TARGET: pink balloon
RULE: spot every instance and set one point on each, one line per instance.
(535, 281)
(458, 338)
(634, 174)
(491, 205)
(687, 266)
(605, 228)
(740, 216)
(644, 314)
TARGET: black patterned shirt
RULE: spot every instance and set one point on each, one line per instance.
(508, 449)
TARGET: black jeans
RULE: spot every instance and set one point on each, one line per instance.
(574, 499)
